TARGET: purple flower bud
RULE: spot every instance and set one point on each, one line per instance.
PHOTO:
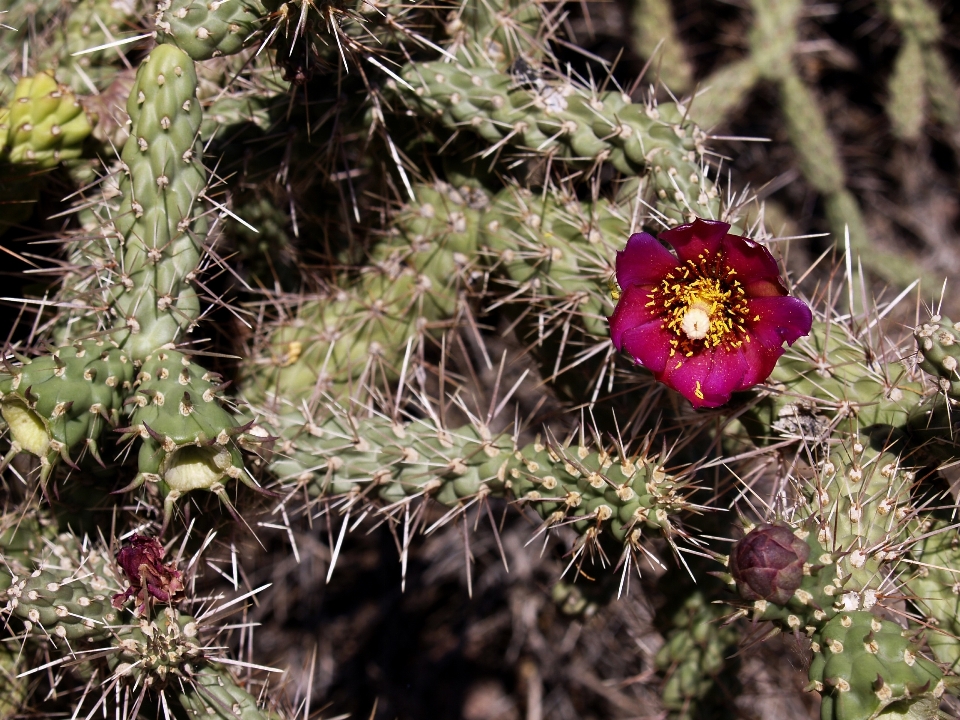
(142, 562)
(768, 563)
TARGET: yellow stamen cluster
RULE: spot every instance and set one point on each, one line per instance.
(703, 305)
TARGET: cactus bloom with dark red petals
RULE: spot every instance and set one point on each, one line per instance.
(710, 320)
(142, 562)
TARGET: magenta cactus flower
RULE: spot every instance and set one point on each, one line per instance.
(710, 320)
(142, 563)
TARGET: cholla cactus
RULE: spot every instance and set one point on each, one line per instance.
(468, 237)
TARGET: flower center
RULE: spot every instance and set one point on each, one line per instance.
(703, 305)
(696, 320)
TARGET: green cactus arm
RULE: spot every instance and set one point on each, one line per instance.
(868, 668)
(67, 604)
(162, 179)
(213, 694)
(693, 654)
(332, 345)
(189, 441)
(654, 29)
(563, 121)
(47, 123)
(55, 403)
(592, 490)
(206, 30)
(907, 100)
(932, 587)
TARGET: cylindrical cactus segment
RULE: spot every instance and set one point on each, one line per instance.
(593, 490)
(55, 403)
(205, 30)
(65, 602)
(334, 344)
(188, 438)
(693, 654)
(934, 588)
(159, 213)
(831, 375)
(500, 32)
(563, 121)
(213, 694)
(46, 123)
(66, 605)
(867, 668)
(938, 347)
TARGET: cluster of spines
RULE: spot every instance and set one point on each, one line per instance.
(560, 120)
(59, 402)
(188, 439)
(592, 490)
(67, 603)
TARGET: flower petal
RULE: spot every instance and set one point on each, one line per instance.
(697, 238)
(649, 345)
(760, 362)
(644, 261)
(708, 378)
(631, 311)
(773, 320)
(752, 262)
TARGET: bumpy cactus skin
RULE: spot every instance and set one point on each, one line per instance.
(53, 404)
(938, 347)
(597, 491)
(188, 437)
(47, 123)
(206, 30)
(67, 603)
(487, 187)
(161, 184)
(564, 121)
(864, 665)
(693, 654)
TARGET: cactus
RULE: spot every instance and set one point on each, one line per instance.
(204, 31)
(408, 187)
(563, 121)
(188, 439)
(55, 403)
(162, 179)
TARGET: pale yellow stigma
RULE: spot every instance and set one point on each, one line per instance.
(696, 320)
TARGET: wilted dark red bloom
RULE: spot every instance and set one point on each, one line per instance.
(709, 321)
(768, 563)
(142, 562)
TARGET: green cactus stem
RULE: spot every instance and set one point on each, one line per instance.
(933, 587)
(162, 179)
(592, 490)
(206, 30)
(47, 123)
(563, 121)
(867, 668)
(693, 654)
(336, 344)
(189, 441)
(938, 348)
(66, 605)
(56, 403)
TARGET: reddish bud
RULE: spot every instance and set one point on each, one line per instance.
(142, 562)
(768, 564)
